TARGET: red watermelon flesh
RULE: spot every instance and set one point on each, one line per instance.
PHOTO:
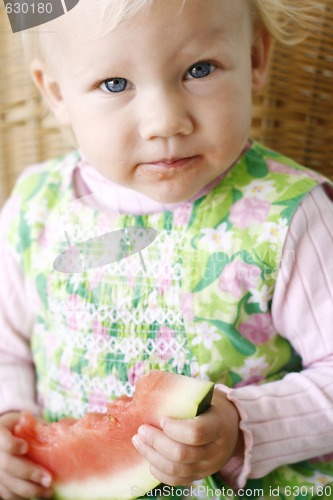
(93, 457)
(69, 447)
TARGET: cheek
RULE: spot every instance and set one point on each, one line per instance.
(106, 130)
(94, 132)
(231, 101)
(230, 115)
(105, 146)
(228, 125)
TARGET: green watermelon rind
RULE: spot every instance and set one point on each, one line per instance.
(123, 488)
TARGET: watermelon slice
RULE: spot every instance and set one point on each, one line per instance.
(93, 458)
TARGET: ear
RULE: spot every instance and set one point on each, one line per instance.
(260, 57)
(50, 89)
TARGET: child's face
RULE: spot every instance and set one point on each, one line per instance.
(180, 111)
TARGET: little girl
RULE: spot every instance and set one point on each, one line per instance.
(236, 285)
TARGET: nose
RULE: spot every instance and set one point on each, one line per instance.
(164, 114)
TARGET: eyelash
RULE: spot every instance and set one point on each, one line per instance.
(121, 84)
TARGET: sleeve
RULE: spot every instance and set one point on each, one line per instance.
(17, 376)
(291, 420)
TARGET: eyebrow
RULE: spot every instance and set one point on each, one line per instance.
(205, 37)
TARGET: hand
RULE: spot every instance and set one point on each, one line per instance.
(19, 477)
(188, 450)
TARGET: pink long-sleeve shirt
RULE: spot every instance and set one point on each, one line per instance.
(279, 419)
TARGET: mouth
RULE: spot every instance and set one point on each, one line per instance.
(172, 163)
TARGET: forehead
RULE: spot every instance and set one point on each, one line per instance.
(152, 21)
(106, 14)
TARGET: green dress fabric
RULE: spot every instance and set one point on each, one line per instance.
(195, 301)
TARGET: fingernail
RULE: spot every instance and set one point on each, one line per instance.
(142, 431)
(46, 480)
(42, 478)
(136, 440)
(23, 448)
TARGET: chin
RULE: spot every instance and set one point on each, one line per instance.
(169, 195)
(170, 198)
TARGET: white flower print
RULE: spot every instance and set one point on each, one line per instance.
(36, 213)
(253, 368)
(199, 371)
(320, 479)
(206, 335)
(261, 297)
(217, 239)
(274, 232)
(179, 360)
(152, 300)
(259, 189)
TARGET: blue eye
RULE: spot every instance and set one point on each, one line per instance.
(201, 69)
(115, 84)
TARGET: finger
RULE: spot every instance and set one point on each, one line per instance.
(5, 494)
(22, 488)
(11, 444)
(170, 449)
(176, 460)
(10, 419)
(25, 469)
(197, 431)
(169, 468)
(162, 477)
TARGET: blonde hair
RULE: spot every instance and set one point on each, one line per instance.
(288, 21)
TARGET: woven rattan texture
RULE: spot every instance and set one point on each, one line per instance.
(28, 132)
(293, 115)
(295, 112)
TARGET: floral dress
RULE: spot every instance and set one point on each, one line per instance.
(195, 299)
